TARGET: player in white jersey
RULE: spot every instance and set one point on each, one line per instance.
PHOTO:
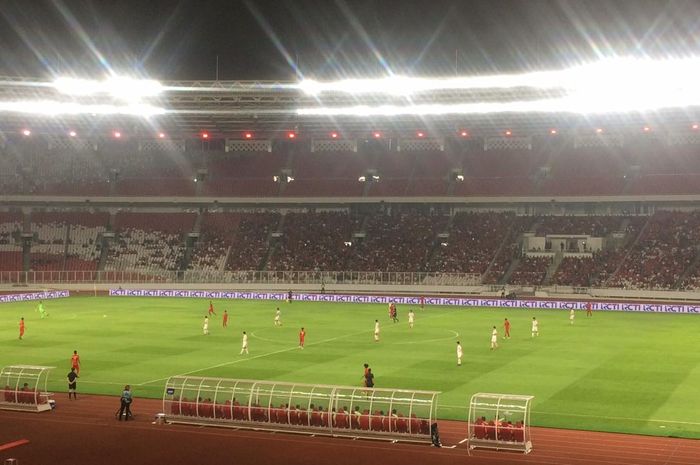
(278, 317)
(494, 338)
(376, 330)
(205, 326)
(411, 318)
(572, 315)
(459, 354)
(535, 328)
(244, 343)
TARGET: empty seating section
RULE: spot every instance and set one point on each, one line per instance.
(398, 241)
(473, 242)
(595, 226)
(314, 241)
(217, 232)
(250, 243)
(149, 241)
(49, 243)
(530, 270)
(10, 243)
(666, 248)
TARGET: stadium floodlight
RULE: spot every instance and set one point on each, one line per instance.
(362, 179)
(161, 135)
(53, 108)
(460, 177)
(72, 133)
(120, 87)
(26, 132)
(248, 135)
(290, 179)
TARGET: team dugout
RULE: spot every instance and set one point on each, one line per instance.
(334, 410)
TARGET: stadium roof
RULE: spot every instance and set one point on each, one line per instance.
(226, 108)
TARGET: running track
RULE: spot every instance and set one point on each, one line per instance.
(86, 432)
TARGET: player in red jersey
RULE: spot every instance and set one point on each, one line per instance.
(225, 319)
(211, 308)
(21, 327)
(75, 362)
(589, 309)
(302, 336)
(506, 329)
(422, 301)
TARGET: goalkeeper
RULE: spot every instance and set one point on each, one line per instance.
(42, 310)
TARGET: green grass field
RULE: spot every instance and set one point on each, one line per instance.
(622, 372)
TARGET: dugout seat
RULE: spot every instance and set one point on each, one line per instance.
(341, 420)
(504, 432)
(355, 421)
(10, 394)
(479, 429)
(401, 424)
(376, 421)
(491, 430)
(325, 418)
(415, 424)
(315, 418)
(364, 420)
(304, 418)
(237, 411)
(424, 427)
(519, 432)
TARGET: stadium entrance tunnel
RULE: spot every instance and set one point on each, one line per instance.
(391, 414)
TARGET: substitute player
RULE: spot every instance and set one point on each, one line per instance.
(21, 328)
(278, 317)
(572, 315)
(494, 338)
(459, 354)
(205, 326)
(376, 330)
(506, 329)
(75, 362)
(225, 319)
(244, 344)
(302, 336)
(411, 318)
(535, 327)
(211, 308)
(42, 310)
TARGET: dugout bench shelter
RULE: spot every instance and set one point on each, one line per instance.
(499, 421)
(391, 414)
(25, 388)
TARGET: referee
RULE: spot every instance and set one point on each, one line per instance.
(72, 376)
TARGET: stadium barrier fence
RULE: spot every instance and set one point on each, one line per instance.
(499, 421)
(316, 278)
(392, 414)
(25, 388)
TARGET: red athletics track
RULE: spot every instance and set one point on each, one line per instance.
(86, 432)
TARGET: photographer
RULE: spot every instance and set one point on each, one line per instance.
(125, 408)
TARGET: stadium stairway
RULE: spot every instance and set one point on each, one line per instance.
(695, 264)
(630, 248)
(552, 268)
(511, 268)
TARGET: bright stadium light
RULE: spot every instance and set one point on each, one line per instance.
(26, 132)
(117, 134)
(617, 85)
(53, 108)
(72, 133)
(248, 135)
(161, 135)
(123, 88)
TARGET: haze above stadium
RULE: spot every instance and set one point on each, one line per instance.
(287, 40)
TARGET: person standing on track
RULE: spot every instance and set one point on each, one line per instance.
(72, 376)
(125, 405)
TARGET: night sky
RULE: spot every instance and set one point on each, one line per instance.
(325, 39)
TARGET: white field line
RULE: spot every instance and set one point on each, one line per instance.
(233, 362)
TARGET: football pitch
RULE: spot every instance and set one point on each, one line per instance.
(626, 372)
